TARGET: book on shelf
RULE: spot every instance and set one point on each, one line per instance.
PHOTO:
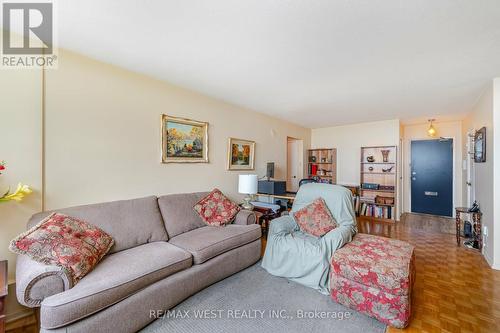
(356, 202)
(371, 209)
(367, 199)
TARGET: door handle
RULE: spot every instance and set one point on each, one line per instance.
(431, 194)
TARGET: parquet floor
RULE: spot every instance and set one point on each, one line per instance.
(455, 289)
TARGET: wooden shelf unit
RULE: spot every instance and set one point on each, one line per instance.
(373, 173)
(324, 166)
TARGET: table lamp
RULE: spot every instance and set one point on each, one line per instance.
(247, 184)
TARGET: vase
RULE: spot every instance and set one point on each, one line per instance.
(385, 155)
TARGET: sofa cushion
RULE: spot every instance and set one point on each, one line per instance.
(65, 241)
(315, 218)
(178, 213)
(130, 222)
(208, 242)
(216, 209)
(118, 276)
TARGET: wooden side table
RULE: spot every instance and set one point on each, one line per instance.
(264, 217)
(476, 224)
(3, 293)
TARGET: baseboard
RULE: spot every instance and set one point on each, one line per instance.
(490, 262)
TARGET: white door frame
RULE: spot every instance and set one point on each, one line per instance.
(469, 165)
(299, 165)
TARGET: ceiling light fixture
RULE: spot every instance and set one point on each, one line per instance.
(431, 131)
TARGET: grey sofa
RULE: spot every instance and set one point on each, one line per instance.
(163, 253)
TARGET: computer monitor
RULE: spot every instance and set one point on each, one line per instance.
(270, 170)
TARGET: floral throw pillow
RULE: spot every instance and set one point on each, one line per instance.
(65, 241)
(216, 209)
(315, 218)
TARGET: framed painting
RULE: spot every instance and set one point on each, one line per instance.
(480, 145)
(183, 140)
(240, 154)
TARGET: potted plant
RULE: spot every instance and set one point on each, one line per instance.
(20, 192)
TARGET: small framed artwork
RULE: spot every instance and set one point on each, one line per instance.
(240, 154)
(183, 140)
(480, 145)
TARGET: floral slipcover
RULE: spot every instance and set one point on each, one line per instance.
(70, 243)
(216, 209)
(374, 275)
(315, 218)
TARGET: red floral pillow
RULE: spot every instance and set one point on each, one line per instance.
(216, 209)
(315, 218)
(65, 241)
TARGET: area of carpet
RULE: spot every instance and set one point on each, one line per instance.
(255, 301)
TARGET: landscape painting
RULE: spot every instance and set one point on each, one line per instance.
(184, 140)
(240, 154)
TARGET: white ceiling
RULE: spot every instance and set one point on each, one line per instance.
(316, 63)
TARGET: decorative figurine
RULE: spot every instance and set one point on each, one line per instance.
(385, 155)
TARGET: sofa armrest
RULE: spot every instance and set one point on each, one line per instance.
(245, 217)
(36, 281)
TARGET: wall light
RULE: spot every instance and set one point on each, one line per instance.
(431, 131)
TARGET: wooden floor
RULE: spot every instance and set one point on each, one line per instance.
(455, 289)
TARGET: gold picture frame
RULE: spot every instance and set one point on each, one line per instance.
(240, 154)
(183, 140)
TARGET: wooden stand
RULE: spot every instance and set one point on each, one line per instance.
(3, 293)
(378, 190)
(322, 165)
(476, 225)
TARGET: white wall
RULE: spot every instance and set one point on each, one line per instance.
(452, 130)
(103, 138)
(496, 171)
(20, 147)
(483, 179)
(349, 139)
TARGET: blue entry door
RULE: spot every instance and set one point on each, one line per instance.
(432, 177)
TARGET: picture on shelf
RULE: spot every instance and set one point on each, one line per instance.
(184, 140)
(241, 154)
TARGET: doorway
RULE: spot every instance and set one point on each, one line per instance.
(294, 163)
(432, 177)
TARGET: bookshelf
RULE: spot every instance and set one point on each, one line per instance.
(322, 165)
(378, 178)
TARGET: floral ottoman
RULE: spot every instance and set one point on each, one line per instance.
(374, 275)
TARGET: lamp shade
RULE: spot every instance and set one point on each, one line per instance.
(247, 184)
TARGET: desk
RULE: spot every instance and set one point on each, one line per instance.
(287, 196)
